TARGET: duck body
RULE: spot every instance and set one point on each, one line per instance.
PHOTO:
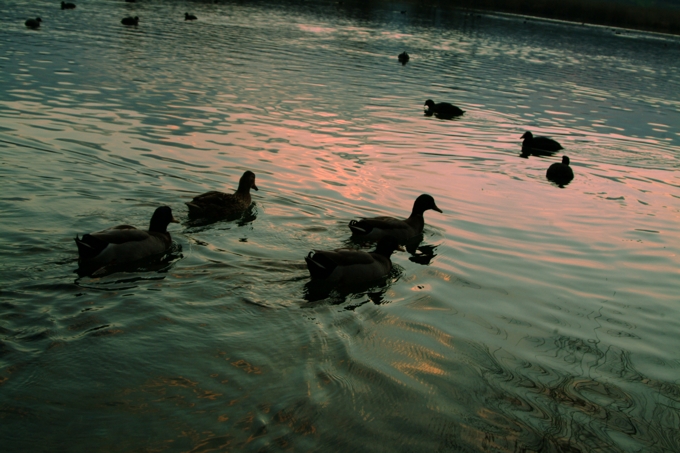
(539, 145)
(560, 173)
(130, 20)
(124, 243)
(352, 267)
(188, 16)
(376, 228)
(33, 23)
(442, 110)
(216, 204)
(403, 58)
(65, 5)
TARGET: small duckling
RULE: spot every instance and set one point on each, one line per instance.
(352, 267)
(539, 145)
(130, 20)
(374, 229)
(442, 110)
(560, 173)
(403, 58)
(215, 204)
(33, 23)
(188, 16)
(65, 5)
(124, 243)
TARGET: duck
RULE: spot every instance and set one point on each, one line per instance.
(403, 58)
(215, 204)
(442, 110)
(33, 23)
(539, 145)
(188, 16)
(130, 20)
(352, 267)
(65, 5)
(374, 229)
(560, 173)
(124, 243)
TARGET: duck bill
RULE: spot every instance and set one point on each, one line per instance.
(438, 210)
(254, 187)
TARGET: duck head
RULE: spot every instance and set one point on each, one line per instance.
(247, 182)
(161, 218)
(528, 135)
(423, 203)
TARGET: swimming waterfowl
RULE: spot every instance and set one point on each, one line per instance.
(560, 173)
(65, 5)
(403, 58)
(374, 229)
(130, 20)
(534, 145)
(215, 204)
(351, 267)
(124, 243)
(442, 110)
(188, 16)
(33, 23)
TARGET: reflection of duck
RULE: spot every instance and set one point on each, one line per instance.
(33, 23)
(124, 243)
(403, 58)
(560, 173)
(373, 229)
(539, 145)
(215, 204)
(351, 267)
(130, 20)
(188, 16)
(65, 5)
(442, 110)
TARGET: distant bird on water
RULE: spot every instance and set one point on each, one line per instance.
(539, 145)
(188, 16)
(375, 228)
(403, 58)
(560, 173)
(130, 20)
(215, 204)
(65, 5)
(352, 267)
(33, 23)
(442, 110)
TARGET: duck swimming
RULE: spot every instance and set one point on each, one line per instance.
(352, 267)
(188, 16)
(539, 145)
(215, 204)
(442, 110)
(65, 5)
(560, 173)
(403, 58)
(33, 23)
(130, 20)
(124, 243)
(374, 229)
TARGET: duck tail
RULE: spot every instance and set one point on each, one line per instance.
(319, 266)
(89, 247)
(194, 209)
(359, 228)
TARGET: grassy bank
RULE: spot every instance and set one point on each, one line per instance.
(659, 19)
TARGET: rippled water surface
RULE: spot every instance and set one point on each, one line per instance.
(534, 318)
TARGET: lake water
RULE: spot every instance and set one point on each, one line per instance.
(545, 318)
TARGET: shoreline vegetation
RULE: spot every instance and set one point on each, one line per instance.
(622, 14)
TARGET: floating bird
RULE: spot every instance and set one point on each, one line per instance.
(130, 20)
(539, 145)
(33, 23)
(130, 1)
(374, 229)
(443, 110)
(560, 173)
(65, 5)
(215, 204)
(188, 16)
(124, 243)
(352, 267)
(403, 58)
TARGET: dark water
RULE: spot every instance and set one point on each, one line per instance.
(547, 319)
